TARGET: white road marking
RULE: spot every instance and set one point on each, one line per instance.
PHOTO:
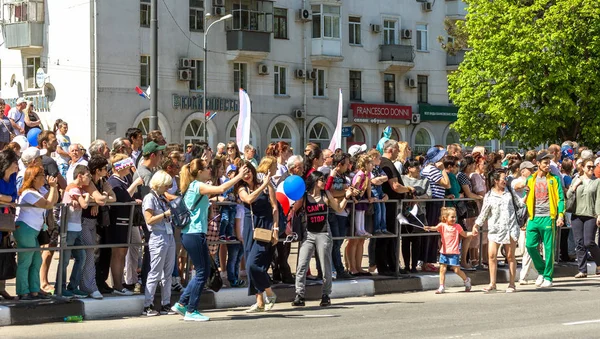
(582, 322)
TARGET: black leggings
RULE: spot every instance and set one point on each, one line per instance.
(584, 233)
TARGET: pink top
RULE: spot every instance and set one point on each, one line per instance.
(450, 238)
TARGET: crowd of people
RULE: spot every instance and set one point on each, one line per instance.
(237, 222)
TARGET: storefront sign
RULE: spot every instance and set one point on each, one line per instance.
(40, 102)
(380, 114)
(438, 113)
(346, 132)
(194, 102)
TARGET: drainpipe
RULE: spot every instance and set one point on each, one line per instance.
(304, 61)
(94, 71)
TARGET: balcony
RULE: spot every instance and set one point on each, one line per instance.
(326, 50)
(24, 24)
(456, 9)
(396, 58)
(452, 61)
(248, 45)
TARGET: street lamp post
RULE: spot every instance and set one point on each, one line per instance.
(205, 70)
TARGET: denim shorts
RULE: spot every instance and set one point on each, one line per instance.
(450, 259)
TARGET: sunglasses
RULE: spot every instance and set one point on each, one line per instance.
(589, 167)
(230, 147)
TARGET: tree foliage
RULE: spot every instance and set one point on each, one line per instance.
(535, 65)
(455, 29)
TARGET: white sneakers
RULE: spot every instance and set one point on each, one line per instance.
(96, 295)
(546, 284)
(539, 281)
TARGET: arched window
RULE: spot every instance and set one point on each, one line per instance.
(452, 137)
(319, 135)
(233, 134)
(144, 125)
(357, 138)
(194, 132)
(395, 135)
(281, 132)
(511, 147)
(422, 142)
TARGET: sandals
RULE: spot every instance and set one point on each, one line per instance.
(580, 275)
(489, 289)
(511, 289)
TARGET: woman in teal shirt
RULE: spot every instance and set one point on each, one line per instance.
(193, 180)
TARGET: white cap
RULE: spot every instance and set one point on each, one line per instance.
(355, 149)
(20, 100)
(22, 141)
(597, 161)
(30, 154)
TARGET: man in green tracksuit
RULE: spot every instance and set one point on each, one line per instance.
(545, 205)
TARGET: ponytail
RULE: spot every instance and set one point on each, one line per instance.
(189, 172)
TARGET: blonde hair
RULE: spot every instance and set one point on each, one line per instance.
(160, 179)
(189, 172)
(362, 161)
(402, 146)
(265, 164)
(373, 153)
(446, 211)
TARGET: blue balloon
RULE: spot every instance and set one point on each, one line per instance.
(294, 187)
(32, 136)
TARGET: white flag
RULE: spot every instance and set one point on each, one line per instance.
(336, 141)
(243, 127)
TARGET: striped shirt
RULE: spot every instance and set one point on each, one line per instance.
(434, 175)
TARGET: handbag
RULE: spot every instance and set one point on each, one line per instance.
(260, 234)
(8, 262)
(214, 281)
(103, 216)
(521, 212)
(7, 220)
(571, 205)
(299, 221)
(461, 209)
(11, 135)
(370, 209)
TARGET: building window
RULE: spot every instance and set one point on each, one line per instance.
(319, 83)
(357, 137)
(389, 84)
(194, 132)
(355, 85)
(452, 137)
(422, 142)
(281, 132)
(144, 71)
(326, 21)
(354, 30)
(145, 7)
(389, 32)
(196, 15)
(233, 135)
(280, 24)
(319, 135)
(197, 81)
(239, 76)
(422, 88)
(252, 15)
(32, 65)
(422, 38)
(280, 80)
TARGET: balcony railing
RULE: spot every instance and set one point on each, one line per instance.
(250, 41)
(455, 60)
(24, 24)
(401, 53)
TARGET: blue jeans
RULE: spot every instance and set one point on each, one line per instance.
(227, 220)
(234, 257)
(338, 229)
(379, 221)
(197, 248)
(73, 239)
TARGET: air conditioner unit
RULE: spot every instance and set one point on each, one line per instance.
(220, 3)
(300, 74)
(406, 34)
(185, 75)
(375, 28)
(299, 114)
(427, 6)
(220, 11)
(312, 75)
(411, 82)
(263, 69)
(304, 15)
(416, 118)
(185, 63)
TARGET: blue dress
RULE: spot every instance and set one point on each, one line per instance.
(257, 253)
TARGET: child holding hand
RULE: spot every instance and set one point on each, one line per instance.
(450, 251)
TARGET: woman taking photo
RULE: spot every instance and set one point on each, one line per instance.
(316, 202)
(29, 222)
(8, 194)
(261, 211)
(503, 230)
(586, 218)
(193, 179)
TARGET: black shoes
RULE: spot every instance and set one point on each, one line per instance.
(325, 301)
(298, 301)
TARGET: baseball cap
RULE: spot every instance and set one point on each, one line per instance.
(230, 168)
(597, 161)
(526, 164)
(586, 154)
(356, 149)
(543, 155)
(20, 101)
(30, 154)
(567, 152)
(152, 147)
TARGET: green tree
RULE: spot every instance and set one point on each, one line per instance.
(534, 65)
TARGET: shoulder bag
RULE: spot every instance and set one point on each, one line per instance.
(7, 220)
(571, 203)
(214, 281)
(8, 262)
(260, 234)
(521, 213)
(11, 135)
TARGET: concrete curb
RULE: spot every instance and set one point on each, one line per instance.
(17, 313)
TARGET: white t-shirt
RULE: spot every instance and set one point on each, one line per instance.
(71, 169)
(18, 117)
(32, 216)
(173, 188)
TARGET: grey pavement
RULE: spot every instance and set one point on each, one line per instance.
(569, 310)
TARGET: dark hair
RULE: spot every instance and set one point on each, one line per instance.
(133, 133)
(198, 150)
(466, 162)
(494, 175)
(96, 163)
(515, 166)
(272, 150)
(44, 136)
(57, 124)
(214, 165)
(567, 166)
(449, 161)
(340, 158)
(7, 158)
(80, 169)
(311, 180)
(242, 183)
(314, 153)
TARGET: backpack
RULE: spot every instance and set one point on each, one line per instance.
(180, 214)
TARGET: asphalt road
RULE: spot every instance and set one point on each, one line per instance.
(569, 310)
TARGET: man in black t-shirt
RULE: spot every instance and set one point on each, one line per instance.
(386, 249)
